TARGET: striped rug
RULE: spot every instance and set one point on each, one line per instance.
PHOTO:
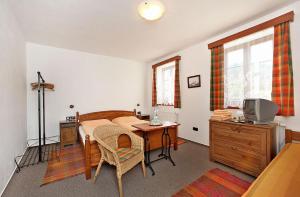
(215, 183)
(70, 163)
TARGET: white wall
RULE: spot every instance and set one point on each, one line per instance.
(196, 60)
(90, 82)
(13, 93)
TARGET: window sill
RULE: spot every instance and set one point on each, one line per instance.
(231, 107)
(168, 105)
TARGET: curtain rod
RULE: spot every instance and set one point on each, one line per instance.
(270, 23)
(176, 58)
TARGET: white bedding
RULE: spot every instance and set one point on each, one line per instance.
(125, 122)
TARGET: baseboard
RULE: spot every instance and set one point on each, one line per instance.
(49, 140)
(194, 142)
(12, 174)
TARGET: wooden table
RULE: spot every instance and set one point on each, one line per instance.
(165, 147)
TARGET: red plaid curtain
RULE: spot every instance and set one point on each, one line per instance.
(177, 99)
(154, 94)
(217, 78)
(283, 85)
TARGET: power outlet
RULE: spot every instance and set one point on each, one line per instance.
(195, 128)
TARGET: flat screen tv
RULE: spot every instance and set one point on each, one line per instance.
(259, 111)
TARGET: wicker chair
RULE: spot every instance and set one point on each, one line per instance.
(123, 158)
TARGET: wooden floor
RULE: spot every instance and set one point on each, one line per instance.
(70, 163)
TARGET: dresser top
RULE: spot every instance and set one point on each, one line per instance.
(67, 122)
(271, 125)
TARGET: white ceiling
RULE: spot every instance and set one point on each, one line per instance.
(114, 28)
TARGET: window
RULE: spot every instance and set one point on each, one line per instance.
(165, 84)
(248, 68)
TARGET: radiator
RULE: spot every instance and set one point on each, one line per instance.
(279, 137)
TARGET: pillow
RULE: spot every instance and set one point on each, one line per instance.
(89, 126)
(95, 123)
(125, 119)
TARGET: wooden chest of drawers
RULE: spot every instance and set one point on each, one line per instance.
(143, 117)
(68, 134)
(246, 147)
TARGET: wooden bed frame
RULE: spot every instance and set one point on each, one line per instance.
(91, 149)
(264, 184)
(291, 136)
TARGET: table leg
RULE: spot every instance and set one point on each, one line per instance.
(162, 144)
(166, 143)
(147, 152)
(169, 147)
(166, 147)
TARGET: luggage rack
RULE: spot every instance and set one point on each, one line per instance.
(31, 155)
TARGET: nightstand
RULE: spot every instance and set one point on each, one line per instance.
(143, 116)
(68, 134)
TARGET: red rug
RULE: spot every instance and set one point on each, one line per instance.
(215, 183)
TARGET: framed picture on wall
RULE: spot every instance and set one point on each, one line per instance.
(194, 81)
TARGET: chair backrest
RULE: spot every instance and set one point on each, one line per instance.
(109, 135)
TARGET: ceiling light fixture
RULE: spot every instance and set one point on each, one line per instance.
(151, 10)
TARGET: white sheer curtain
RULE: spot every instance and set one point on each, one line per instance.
(165, 79)
(248, 71)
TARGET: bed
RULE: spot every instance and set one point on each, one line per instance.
(282, 176)
(85, 123)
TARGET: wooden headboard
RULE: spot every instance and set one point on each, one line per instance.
(291, 136)
(110, 115)
(103, 115)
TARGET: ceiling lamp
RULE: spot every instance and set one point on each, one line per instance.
(151, 10)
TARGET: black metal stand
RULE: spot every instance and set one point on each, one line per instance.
(165, 149)
(40, 79)
(40, 153)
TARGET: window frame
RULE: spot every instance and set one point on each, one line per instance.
(246, 46)
(176, 59)
(164, 68)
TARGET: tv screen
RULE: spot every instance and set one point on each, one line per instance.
(249, 107)
(259, 111)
